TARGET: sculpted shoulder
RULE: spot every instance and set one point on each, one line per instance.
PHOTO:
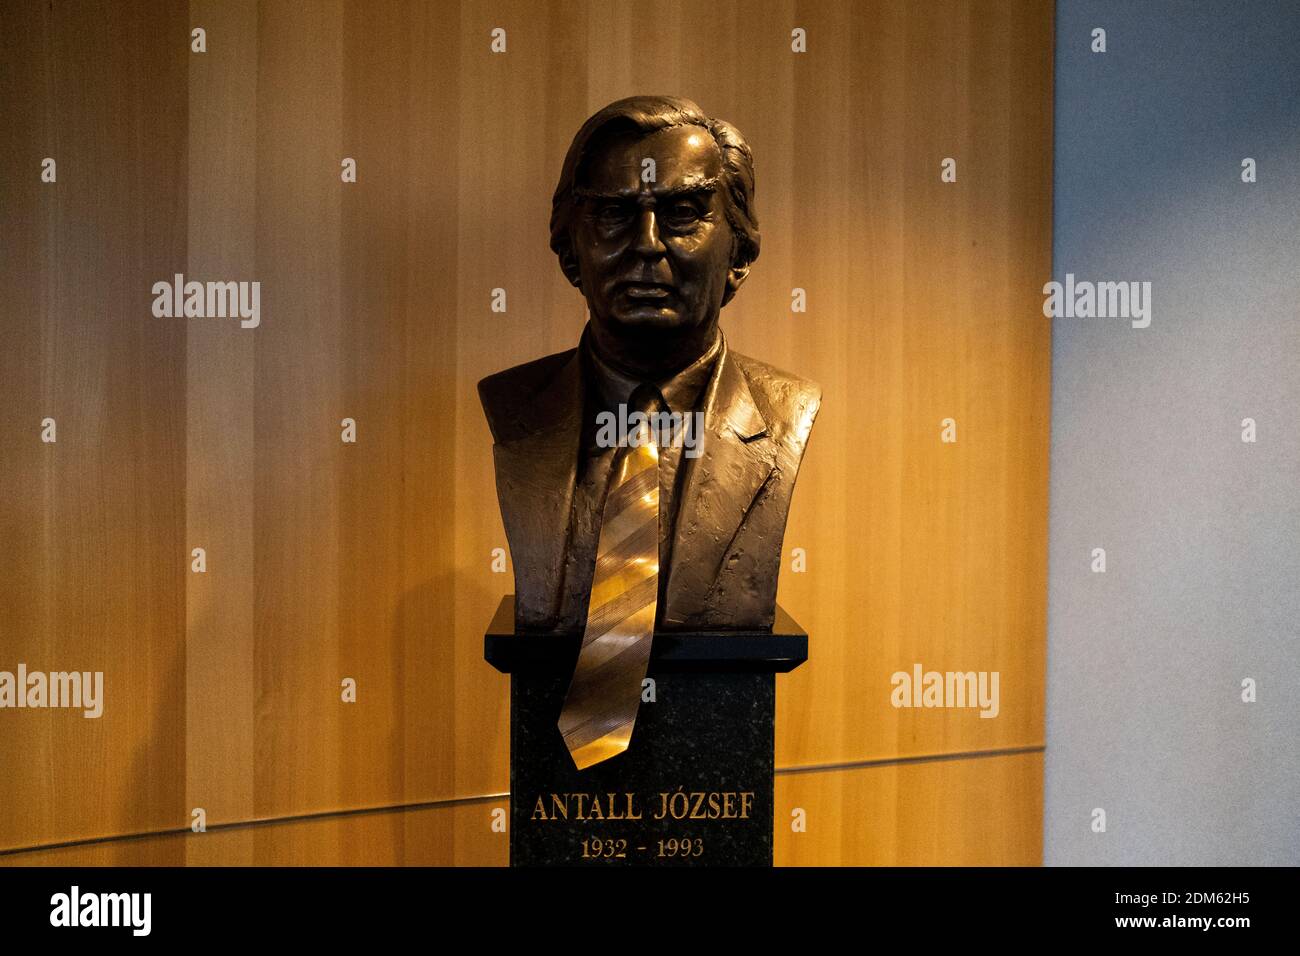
(517, 400)
(510, 397)
(788, 402)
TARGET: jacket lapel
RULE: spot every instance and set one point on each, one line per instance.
(535, 477)
(737, 457)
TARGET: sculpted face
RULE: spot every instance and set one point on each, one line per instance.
(654, 257)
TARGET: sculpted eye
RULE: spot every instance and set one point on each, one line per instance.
(682, 213)
(613, 214)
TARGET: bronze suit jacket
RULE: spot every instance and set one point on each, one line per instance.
(731, 513)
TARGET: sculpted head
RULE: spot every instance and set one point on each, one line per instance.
(653, 221)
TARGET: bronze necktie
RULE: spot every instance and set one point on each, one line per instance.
(601, 705)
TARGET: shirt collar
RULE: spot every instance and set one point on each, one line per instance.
(681, 390)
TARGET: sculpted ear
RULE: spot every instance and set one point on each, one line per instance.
(735, 276)
(569, 266)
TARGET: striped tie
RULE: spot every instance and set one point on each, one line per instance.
(601, 705)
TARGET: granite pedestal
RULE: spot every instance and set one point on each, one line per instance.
(695, 785)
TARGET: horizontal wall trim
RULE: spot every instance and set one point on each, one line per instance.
(918, 758)
(486, 797)
(260, 822)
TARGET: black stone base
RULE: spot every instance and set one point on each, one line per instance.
(695, 785)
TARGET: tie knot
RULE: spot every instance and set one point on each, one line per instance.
(646, 398)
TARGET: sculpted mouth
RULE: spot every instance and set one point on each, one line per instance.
(647, 291)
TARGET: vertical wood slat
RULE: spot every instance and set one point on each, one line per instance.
(297, 389)
(219, 488)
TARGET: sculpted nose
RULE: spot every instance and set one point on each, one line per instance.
(647, 235)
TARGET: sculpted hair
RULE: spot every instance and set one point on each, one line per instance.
(648, 114)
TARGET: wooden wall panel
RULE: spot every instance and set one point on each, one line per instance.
(923, 305)
(93, 559)
(981, 811)
(373, 560)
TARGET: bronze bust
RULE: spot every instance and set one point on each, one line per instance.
(656, 261)
(620, 532)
